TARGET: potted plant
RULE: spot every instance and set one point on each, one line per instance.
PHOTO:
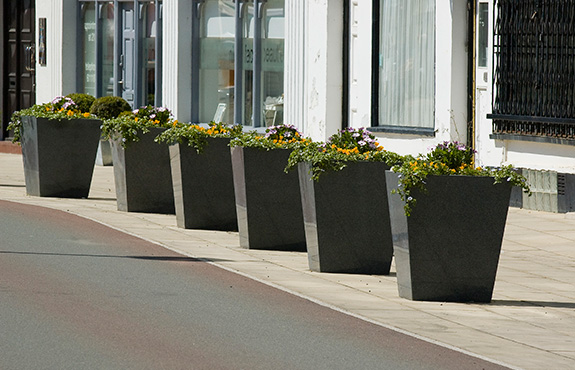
(345, 212)
(141, 166)
(59, 144)
(202, 175)
(268, 199)
(108, 107)
(447, 220)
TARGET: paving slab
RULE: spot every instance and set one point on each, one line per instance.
(530, 324)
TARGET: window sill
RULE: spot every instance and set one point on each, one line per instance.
(532, 138)
(419, 131)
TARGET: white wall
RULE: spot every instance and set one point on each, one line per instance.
(58, 76)
(324, 63)
(176, 62)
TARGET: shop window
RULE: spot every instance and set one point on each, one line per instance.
(240, 77)
(120, 47)
(406, 64)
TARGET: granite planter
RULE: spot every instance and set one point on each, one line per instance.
(143, 176)
(346, 219)
(59, 156)
(448, 248)
(203, 186)
(267, 200)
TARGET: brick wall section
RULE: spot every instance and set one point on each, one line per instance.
(10, 148)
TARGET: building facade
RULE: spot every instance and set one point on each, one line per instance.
(495, 74)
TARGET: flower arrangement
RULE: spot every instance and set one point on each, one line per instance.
(276, 137)
(59, 108)
(447, 159)
(197, 136)
(128, 126)
(348, 145)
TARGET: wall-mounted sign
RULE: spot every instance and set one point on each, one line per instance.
(42, 41)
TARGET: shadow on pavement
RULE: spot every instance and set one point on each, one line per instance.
(149, 258)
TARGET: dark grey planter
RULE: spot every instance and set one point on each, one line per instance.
(347, 219)
(59, 156)
(203, 186)
(267, 200)
(143, 176)
(448, 249)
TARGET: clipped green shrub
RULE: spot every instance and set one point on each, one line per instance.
(83, 101)
(108, 107)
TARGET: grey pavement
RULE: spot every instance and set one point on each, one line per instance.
(530, 324)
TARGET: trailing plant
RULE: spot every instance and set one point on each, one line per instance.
(348, 145)
(83, 101)
(58, 109)
(447, 159)
(128, 126)
(275, 137)
(108, 107)
(196, 136)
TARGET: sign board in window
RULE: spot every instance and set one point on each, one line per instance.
(42, 41)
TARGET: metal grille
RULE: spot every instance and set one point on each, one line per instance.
(534, 68)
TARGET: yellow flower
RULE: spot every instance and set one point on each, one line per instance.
(47, 109)
(69, 113)
(135, 119)
(86, 114)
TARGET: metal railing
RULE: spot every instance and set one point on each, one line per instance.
(534, 68)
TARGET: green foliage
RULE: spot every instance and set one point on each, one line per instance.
(108, 107)
(58, 109)
(348, 145)
(129, 125)
(83, 101)
(447, 159)
(452, 154)
(197, 136)
(275, 137)
(157, 115)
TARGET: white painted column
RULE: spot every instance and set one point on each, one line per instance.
(294, 66)
(177, 49)
(324, 63)
(58, 76)
(313, 66)
(451, 70)
(360, 68)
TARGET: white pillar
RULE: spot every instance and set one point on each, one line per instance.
(177, 51)
(313, 66)
(58, 76)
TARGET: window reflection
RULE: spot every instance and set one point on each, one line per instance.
(273, 62)
(149, 54)
(88, 71)
(217, 70)
(107, 50)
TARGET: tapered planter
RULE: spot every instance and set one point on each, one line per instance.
(59, 156)
(346, 219)
(448, 248)
(203, 186)
(143, 176)
(267, 200)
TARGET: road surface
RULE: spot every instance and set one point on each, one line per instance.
(75, 294)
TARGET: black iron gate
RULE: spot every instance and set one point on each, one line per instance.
(534, 68)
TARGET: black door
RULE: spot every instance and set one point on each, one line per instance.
(17, 34)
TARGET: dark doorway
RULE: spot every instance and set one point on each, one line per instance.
(17, 33)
